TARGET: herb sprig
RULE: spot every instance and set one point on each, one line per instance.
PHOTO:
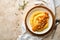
(23, 6)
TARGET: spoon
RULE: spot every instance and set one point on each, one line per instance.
(54, 30)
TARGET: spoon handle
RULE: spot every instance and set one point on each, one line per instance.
(54, 30)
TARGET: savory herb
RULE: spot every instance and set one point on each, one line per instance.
(23, 6)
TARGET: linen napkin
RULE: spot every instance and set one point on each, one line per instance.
(57, 3)
(25, 34)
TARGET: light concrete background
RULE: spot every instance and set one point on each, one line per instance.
(9, 20)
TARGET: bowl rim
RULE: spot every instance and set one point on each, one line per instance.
(53, 18)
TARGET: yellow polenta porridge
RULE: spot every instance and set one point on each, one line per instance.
(39, 20)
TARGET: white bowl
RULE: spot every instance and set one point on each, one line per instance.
(41, 8)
